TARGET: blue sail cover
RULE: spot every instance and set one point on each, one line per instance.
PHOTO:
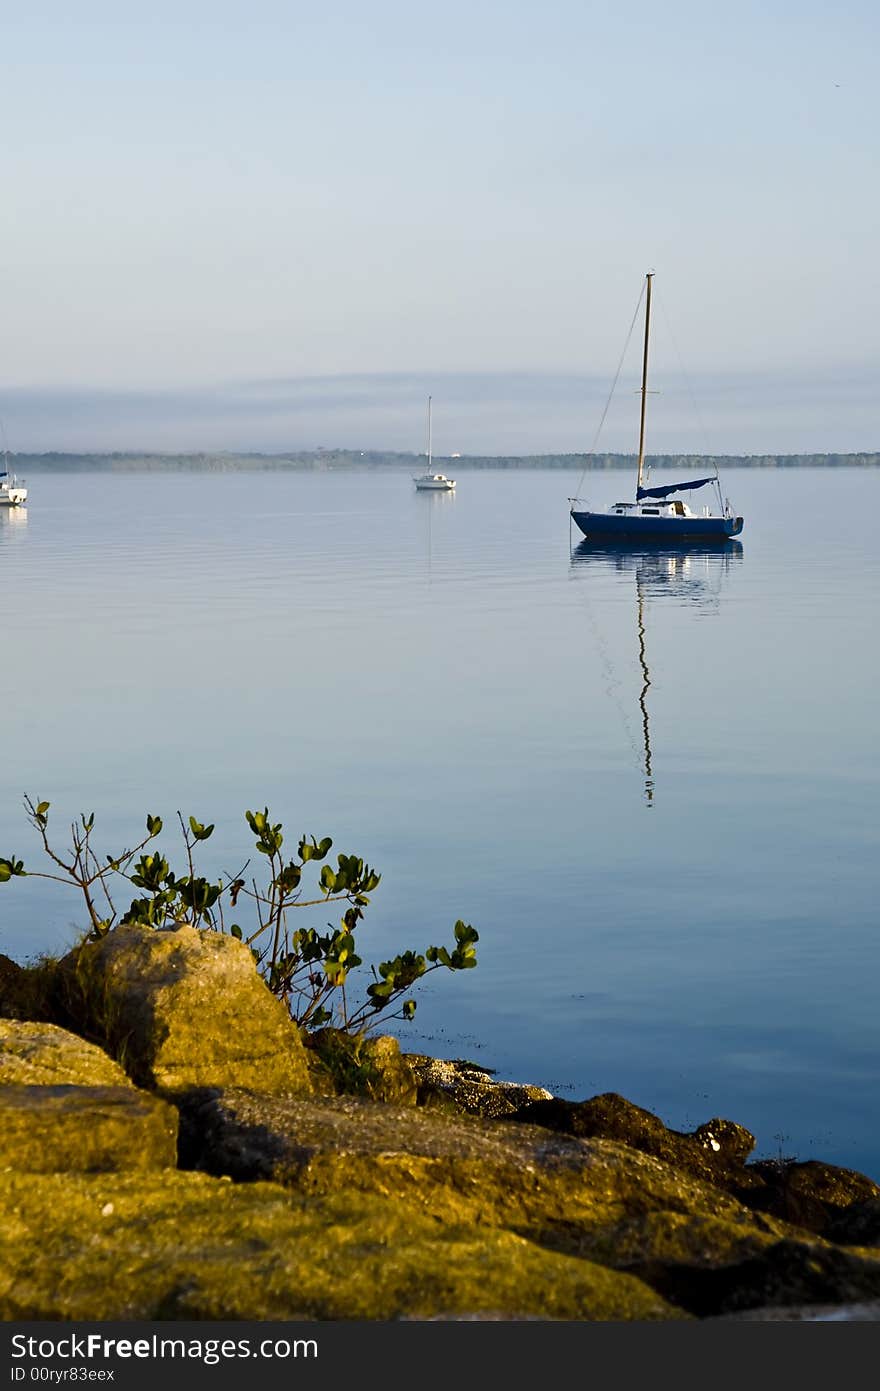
(672, 488)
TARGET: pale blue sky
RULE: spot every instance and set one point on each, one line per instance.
(202, 202)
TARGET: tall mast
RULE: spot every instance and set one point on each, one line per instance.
(649, 277)
(429, 434)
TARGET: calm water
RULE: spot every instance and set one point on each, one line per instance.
(666, 839)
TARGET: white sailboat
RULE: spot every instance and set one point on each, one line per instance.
(12, 492)
(429, 481)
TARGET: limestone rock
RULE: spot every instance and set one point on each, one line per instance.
(726, 1139)
(788, 1273)
(715, 1152)
(457, 1167)
(597, 1199)
(454, 1085)
(186, 1247)
(66, 1106)
(38, 1054)
(66, 1129)
(857, 1225)
(394, 1080)
(709, 1153)
(185, 1009)
(811, 1194)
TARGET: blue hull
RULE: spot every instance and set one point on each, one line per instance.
(609, 526)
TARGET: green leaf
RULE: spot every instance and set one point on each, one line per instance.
(235, 931)
(289, 878)
(149, 872)
(42, 808)
(380, 990)
(310, 849)
(154, 824)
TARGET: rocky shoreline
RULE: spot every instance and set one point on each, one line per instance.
(172, 1147)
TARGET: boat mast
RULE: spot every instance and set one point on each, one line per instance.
(649, 277)
(429, 434)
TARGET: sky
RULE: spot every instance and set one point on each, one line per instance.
(280, 226)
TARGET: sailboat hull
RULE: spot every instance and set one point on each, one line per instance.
(608, 526)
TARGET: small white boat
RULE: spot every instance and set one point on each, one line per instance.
(433, 482)
(436, 481)
(12, 493)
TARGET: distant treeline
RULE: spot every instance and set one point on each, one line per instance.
(329, 459)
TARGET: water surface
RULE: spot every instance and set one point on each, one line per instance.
(648, 780)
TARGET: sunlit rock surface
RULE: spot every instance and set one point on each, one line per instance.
(185, 1009)
(186, 1246)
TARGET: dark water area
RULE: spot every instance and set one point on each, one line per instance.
(648, 778)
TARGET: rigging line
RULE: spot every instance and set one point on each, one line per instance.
(592, 447)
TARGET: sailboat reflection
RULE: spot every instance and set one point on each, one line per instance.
(687, 573)
(431, 501)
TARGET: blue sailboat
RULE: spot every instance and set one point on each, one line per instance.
(656, 514)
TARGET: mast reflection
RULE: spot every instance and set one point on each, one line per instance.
(643, 706)
(689, 572)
